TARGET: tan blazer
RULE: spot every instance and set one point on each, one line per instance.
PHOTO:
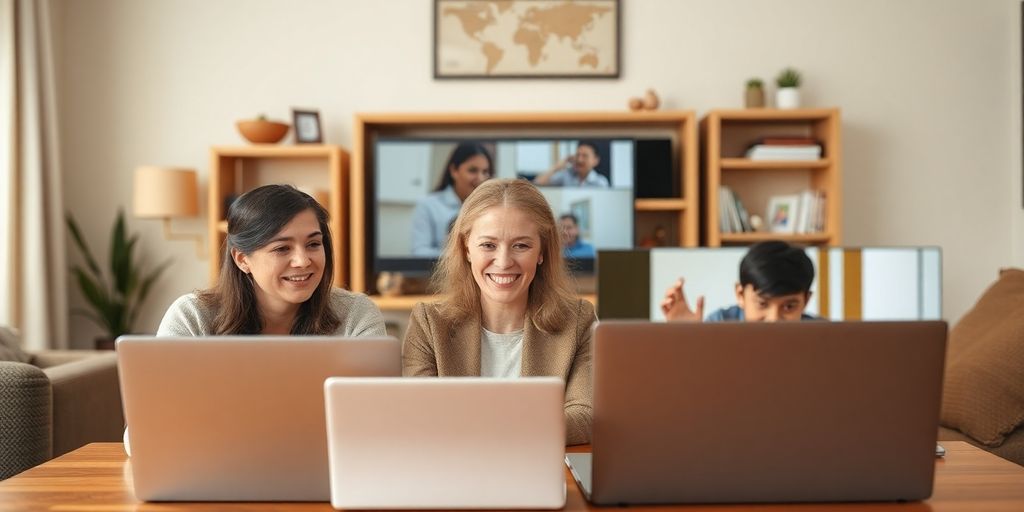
(439, 344)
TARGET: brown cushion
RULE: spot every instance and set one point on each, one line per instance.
(983, 394)
(10, 347)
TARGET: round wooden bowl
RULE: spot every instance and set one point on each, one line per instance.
(261, 131)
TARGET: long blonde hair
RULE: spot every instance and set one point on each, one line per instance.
(551, 295)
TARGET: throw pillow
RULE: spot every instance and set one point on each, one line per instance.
(10, 346)
(983, 392)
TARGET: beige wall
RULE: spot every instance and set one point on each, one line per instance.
(930, 92)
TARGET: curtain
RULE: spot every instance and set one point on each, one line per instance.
(33, 276)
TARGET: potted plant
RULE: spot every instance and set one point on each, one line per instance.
(788, 95)
(117, 297)
(755, 93)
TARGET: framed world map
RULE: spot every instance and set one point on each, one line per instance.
(526, 38)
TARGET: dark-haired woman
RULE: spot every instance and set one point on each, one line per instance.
(469, 165)
(276, 276)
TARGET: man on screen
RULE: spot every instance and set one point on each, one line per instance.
(576, 170)
(572, 246)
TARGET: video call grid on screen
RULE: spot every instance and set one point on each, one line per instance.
(409, 170)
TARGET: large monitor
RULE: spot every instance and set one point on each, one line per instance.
(414, 205)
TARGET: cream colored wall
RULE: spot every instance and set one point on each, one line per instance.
(930, 92)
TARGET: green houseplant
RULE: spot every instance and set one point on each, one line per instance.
(754, 97)
(116, 297)
(788, 95)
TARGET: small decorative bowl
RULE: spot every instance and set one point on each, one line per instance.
(261, 131)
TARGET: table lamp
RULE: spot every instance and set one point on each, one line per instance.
(166, 192)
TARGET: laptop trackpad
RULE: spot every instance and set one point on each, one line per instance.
(580, 467)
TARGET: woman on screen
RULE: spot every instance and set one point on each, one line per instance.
(276, 276)
(507, 307)
(469, 165)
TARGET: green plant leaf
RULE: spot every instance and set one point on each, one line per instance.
(117, 319)
(118, 243)
(115, 300)
(90, 315)
(147, 283)
(125, 267)
(76, 235)
(788, 77)
(95, 295)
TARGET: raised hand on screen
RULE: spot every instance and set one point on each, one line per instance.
(675, 307)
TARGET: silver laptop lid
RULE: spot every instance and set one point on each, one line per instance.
(236, 418)
(743, 412)
(446, 442)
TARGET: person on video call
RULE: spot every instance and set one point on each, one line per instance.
(507, 305)
(576, 170)
(775, 285)
(572, 245)
(469, 165)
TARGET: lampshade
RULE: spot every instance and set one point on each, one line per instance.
(163, 192)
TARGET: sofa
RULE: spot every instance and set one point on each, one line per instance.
(983, 389)
(52, 402)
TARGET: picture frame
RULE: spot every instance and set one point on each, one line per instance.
(527, 39)
(782, 213)
(307, 126)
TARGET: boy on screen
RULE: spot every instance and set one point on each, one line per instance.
(775, 285)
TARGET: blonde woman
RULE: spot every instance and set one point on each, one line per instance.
(507, 306)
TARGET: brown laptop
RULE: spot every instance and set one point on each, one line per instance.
(745, 412)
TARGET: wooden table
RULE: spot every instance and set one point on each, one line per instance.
(97, 478)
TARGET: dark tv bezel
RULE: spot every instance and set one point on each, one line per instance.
(423, 267)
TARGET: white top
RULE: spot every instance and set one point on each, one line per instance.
(431, 219)
(501, 355)
(569, 178)
(358, 314)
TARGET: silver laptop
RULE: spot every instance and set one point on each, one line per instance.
(429, 443)
(236, 418)
(744, 412)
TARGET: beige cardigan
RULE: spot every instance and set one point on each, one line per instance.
(437, 343)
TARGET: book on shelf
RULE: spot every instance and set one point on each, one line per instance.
(732, 215)
(764, 152)
(787, 141)
(785, 148)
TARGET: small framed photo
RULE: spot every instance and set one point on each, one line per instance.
(307, 126)
(782, 213)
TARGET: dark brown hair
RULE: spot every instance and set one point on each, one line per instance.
(551, 295)
(462, 152)
(254, 219)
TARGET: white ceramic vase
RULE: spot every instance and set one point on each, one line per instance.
(787, 97)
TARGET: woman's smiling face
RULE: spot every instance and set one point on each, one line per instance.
(287, 270)
(504, 250)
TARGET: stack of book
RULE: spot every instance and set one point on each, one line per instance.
(732, 216)
(785, 148)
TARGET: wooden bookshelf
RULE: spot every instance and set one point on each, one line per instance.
(728, 133)
(237, 169)
(679, 214)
